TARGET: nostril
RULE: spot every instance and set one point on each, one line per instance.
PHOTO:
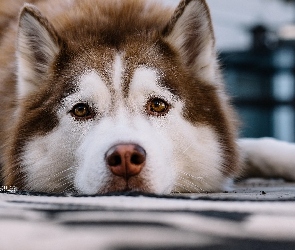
(137, 159)
(114, 160)
(139, 156)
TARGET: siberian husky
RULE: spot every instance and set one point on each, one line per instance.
(108, 96)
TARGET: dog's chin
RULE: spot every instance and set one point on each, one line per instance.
(133, 184)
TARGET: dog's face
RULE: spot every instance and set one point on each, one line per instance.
(142, 111)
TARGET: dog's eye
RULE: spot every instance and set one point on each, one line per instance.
(157, 106)
(81, 110)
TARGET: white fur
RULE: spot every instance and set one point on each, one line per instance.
(181, 157)
(46, 169)
(269, 156)
(118, 70)
(141, 83)
(90, 89)
(198, 158)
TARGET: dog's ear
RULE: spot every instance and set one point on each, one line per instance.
(190, 33)
(37, 46)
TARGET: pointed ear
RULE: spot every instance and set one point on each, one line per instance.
(190, 33)
(37, 46)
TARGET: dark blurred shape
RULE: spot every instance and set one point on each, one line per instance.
(261, 82)
(262, 38)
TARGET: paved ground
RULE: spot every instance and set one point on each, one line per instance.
(256, 190)
(256, 214)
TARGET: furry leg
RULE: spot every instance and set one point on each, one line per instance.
(268, 157)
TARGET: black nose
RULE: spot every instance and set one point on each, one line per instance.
(126, 160)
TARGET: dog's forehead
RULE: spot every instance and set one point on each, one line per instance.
(121, 78)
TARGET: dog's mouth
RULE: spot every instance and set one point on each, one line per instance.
(120, 185)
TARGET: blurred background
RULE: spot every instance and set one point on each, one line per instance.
(256, 43)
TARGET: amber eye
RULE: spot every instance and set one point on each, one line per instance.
(81, 110)
(157, 106)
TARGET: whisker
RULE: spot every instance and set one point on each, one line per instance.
(194, 188)
(187, 148)
(61, 177)
(193, 181)
(183, 187)
(199, 178)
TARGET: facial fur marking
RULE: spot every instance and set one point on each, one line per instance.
(118, 70)
(91, 89)
(147, 81)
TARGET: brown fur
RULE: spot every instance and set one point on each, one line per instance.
(87, 34)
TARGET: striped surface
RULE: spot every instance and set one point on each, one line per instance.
(256, 214)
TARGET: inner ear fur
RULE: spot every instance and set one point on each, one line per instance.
(37, 46)
(190, 33)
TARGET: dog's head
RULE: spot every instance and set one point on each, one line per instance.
(120, 95)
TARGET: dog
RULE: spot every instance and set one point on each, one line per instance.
(120, 95)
